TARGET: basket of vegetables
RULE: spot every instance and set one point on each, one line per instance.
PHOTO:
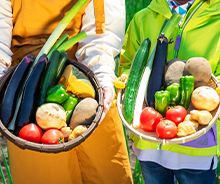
(168, 102)
(59, 105)
(51, 103)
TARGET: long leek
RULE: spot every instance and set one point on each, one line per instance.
(63, 39)
(60, 28)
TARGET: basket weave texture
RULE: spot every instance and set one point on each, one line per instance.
(21, 143)
(152, 137)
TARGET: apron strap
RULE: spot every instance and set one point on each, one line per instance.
(99, 16)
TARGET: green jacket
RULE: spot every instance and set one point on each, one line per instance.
(200, 37)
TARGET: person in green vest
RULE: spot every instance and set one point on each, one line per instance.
(193, 162)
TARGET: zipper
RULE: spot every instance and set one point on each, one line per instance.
(177, 44)
(180, 32)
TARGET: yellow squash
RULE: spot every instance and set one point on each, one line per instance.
(77, 82)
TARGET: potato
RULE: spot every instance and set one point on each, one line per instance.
(79, 130)
(205, 98)
(173, 71)
(200, 69)
(83, 113)
(66, 131)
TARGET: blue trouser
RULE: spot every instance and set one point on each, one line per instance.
(154, 173)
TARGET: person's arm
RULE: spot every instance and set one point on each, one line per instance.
(6, 24)
(97, 51)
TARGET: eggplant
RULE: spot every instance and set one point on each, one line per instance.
(29, 102)
(11, 93)
(157, 73)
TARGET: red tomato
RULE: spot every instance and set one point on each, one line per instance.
(52, 136)
(176, 114)
(149, 119)
(31, 132)
(166, 129)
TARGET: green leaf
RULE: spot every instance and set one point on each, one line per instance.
(2, 175)
(6, 166)
(137, 174)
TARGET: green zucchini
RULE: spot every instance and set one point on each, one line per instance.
(137, 68)
(49, 74)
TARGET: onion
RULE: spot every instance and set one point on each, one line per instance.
(51, 115)
(205, 98)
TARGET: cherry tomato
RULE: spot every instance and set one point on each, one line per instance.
(176, 114)
(31, 132)
(166, 129)
(149, 119)
(52, 136)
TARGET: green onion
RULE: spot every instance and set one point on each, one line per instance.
(60, 28)
(66, 45)
(63, 39)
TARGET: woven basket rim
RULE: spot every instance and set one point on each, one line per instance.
(179, 140)
(57, 148)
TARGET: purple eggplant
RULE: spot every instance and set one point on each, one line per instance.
(12, 90)
(157, 73)
(29, 102)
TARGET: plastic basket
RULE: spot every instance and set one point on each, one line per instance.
(63, 146)
(152, 137)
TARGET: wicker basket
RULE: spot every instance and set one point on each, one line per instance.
(152, 137)
(67, 145)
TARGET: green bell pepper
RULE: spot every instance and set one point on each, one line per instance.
(175, 95)
(57, 94)
(162, 100)
(69, 105)
(186, 89)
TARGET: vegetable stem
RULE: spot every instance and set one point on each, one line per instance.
(60, 28)
(58, 43)
(66, 45)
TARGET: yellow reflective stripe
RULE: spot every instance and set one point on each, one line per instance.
(218, 134)
(99, 16)
(142, 144)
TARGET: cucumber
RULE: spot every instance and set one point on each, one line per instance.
(137, 68)
(28, 106)
(48, 78)
(13, 88)
(157, 73)
(61, 65)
